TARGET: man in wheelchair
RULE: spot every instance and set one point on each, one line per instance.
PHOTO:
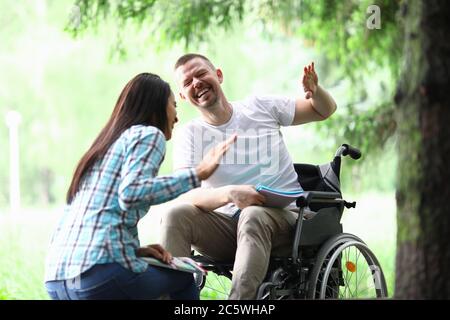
(226, 220)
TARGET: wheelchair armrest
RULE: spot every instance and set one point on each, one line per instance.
(316, 196)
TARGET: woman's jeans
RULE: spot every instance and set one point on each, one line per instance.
(112, 281)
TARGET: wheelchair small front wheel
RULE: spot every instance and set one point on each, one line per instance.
(265, 291)
(348, 270)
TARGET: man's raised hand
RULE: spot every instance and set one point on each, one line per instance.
(310, 80)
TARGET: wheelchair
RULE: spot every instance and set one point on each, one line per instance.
(325, 262)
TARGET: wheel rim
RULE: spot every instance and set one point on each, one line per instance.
(322, 257)
(356, 276)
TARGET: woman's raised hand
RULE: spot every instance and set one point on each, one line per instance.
(211, 160)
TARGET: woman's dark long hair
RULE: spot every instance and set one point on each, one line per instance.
(143, 101)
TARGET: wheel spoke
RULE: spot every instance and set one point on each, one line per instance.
(216, 290)
(347, 281)
(366, 290)
(221, 282)
(365, 272)
(217, 286)
(353, 282)
(346, 259)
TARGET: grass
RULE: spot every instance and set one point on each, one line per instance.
(24, 239)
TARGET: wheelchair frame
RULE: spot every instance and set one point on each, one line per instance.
(314, 269)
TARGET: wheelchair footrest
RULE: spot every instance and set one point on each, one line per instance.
(215, 266)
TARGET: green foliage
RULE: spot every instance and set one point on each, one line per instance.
(336, 28)
(168, 21)
(353, 53)
(362, 56)
(65, 89)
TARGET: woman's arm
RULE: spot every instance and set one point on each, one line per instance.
(140, 187)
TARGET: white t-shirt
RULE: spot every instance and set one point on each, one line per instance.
(259, 155)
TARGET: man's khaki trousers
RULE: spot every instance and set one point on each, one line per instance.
(248, 241)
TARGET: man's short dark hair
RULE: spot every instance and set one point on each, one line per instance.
(189, 56)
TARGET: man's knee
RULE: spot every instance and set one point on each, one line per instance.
(270, 219)
(178, 214)
(253, 217)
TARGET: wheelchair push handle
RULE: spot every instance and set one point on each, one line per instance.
(347, 149)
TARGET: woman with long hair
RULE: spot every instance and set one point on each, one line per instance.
(94, 252)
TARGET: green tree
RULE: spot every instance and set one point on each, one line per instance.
(412, 36)
(423, 189)
(335, 28)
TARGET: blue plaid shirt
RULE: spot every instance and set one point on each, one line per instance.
(100, 225)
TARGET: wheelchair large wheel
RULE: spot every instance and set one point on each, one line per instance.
(346, 269)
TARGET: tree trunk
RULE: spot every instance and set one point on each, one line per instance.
(423, 181)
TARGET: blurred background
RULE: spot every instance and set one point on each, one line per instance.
(58, 91)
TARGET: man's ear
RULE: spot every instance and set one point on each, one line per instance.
(182, 96)
(219, 75)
